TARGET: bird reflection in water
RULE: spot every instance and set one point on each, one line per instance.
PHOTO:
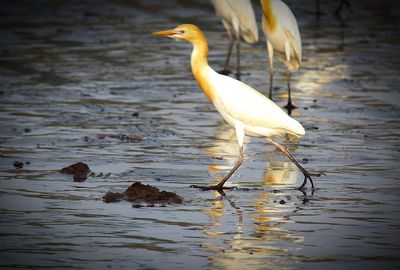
(256, 237)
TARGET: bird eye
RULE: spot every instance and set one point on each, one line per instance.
(182, 31)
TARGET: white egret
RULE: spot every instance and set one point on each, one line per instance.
(239, 21)
(283, 36)
(248, 111)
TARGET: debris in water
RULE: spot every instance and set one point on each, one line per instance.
(18, 164)
(121, 137)
(79, 170)
(138, 193)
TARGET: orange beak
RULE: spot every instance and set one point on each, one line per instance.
(166, 33)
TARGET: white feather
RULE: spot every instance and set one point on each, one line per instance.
(286, 30)
(237, 17)
(258, 115)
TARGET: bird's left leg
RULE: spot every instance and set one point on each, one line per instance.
(289, 106)
(307, 175)
(220, 185)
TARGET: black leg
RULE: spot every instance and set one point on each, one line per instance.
(238, 57)
(220, 185)
(226, 70)
(306, 174)
(289, 106)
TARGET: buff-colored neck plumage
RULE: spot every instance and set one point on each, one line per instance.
(269, 17)
(200, 67)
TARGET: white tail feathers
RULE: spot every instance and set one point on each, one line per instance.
(250, 36)
(295, 128)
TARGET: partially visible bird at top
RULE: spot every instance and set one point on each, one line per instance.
(239, 21)
(338, 9)
(248, 111)
(283, 36)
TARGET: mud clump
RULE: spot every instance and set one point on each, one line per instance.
(138, 193)
(121, 137)
(79, 171)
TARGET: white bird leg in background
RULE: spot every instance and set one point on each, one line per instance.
(271, 67)
(244, 108)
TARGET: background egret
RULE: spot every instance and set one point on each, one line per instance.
(239, 21)
(282, 33)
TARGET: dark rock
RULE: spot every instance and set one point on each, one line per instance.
(79, 171)
(112, 197)
(101, 136)
(18, 164)
(305, 160)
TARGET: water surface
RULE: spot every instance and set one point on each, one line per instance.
(70, 71)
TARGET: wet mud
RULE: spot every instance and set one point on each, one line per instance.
(138, 193)
(78, 170)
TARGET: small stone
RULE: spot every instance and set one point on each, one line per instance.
(18, 164)
(79, 171)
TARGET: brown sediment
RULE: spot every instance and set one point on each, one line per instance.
(138, 193)
(79, 171)
(121, 137)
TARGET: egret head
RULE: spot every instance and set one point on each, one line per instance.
(188, 32)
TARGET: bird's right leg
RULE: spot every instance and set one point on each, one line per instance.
(307, 175)
(271, 67)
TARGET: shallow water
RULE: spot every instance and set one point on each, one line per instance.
(71, 71)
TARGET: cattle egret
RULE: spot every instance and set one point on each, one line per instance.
(282, 33)
(238, 19)
(248, 111)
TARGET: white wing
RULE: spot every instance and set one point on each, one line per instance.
(250, 107)
(290, 27)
